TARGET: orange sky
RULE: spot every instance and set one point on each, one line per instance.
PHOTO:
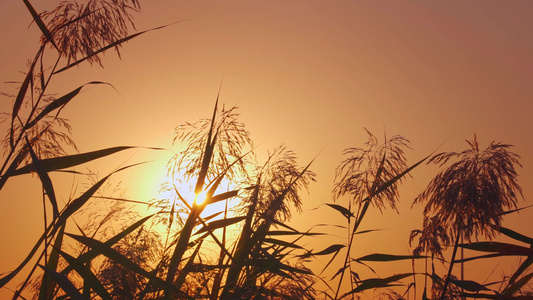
(310, 74)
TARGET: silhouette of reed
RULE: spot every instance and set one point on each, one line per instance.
(196, 256)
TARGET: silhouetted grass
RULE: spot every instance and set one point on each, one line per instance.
(266, 259)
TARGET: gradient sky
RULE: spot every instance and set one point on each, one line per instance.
(310, 74)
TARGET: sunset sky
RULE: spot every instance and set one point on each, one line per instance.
(309, 74)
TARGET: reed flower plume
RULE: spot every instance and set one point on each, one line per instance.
(471, 194)
(367, 169)
(281, 180)
(81, 29)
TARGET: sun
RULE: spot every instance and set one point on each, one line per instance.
(200, 197)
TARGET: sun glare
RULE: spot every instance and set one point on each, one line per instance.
(200, 198)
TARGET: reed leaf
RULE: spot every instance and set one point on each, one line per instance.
(59, 102)
(282, 243)
(221, 197)
(515, 287)
(517, 236)
(501, 248)
(188, 267)
(89, 279)
(45, 180)
(64, 283)
(47, 287)
(284, 232)
(469, 285)
(220, 224)
(62, 162)
(114, 255)
(111, 45)
(343, 210)
(20, 98)
(373, 283)
(39, 22)
(89, 255)
(331, 249)
(521, 269)
(387, 257)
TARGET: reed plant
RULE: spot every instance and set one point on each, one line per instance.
(196, 256)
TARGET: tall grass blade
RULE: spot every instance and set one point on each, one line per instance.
(64, 283)
(469, 285)
(208, 153)
(60, 102)
(89, 255)
(78, 203)
(71, 208)
(343, 210)
(387, 257)
(331, 249)
(89, 279)
(510, 290)
(220, 224)
(373, 283)
(501, 248)
(521, 269)
(114, 44)
(45, 180)
(40, 23)
(62, 162)
(282, 243)
(47, 286)
(221, 197)
(284, 232)
(20, 98)
(114, 255)
(185, 271)
(517, 236)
